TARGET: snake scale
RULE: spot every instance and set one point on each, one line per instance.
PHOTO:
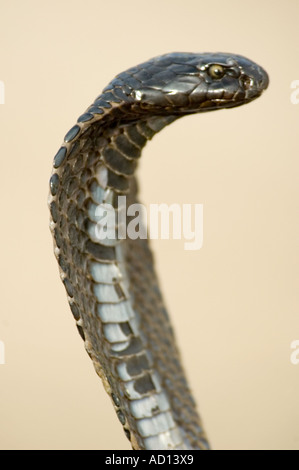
(111, 284)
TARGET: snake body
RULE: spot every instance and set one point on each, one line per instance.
(111, 283)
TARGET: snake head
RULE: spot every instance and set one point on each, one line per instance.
(183, 83)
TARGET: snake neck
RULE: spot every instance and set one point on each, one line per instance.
(112, 286)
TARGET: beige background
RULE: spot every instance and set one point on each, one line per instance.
(234, 303)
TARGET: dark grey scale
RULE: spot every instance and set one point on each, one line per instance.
(154, 345)
(72, 133)
(76, 253)
(71, 187)
(108, 96)
(166, 341)
(85, 144)
(100, 252)
(115, 399)
(126, 328)
(75, 310)
(64, 247)
(142, 75)
(74, 150)
(179, 100)
(133, 69)
(86, 176)
(135, 347)
(63, 224)
(66, 173)
(68, 286)
(153, 68)
(60, 157)
(87, 203)
(164, 77)
(102, 103)
(127, 89)
(117, 162)
(80, 198)
(182, 84)
(178, 406)
(121, 417)
(115, 82)
(54, 211)
(95, 110)
(130, 80)
(81, 332)
(135, 136)
(86, 227)
(198, 428)
(165, 61)
(78, 164)
(62, 201)
(145, 130)
(127, 433)
(87, 298)
(74, 235)
(144, 384)
(184, 69)
(112, 131)
(92, 158)
(137, 365)
(57, 237)
(85, 117)
(86, 133)
(153, 96)
(101, 142)
(126, 147)
(64, 265)
(121, 94)
(119, 292)
(157, 123)
(81, 221)
(54, 184)
(175, 58)
(118, 182)
(78, 257)
(169, 384)
(203, 441)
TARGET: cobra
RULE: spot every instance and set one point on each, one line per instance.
(111, 283)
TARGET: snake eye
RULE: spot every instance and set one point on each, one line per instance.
(216, 71)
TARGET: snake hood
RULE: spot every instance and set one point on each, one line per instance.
(184, 83)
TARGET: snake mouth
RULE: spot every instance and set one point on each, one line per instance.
(255, 83)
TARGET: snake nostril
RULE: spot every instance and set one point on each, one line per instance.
(246, 82)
